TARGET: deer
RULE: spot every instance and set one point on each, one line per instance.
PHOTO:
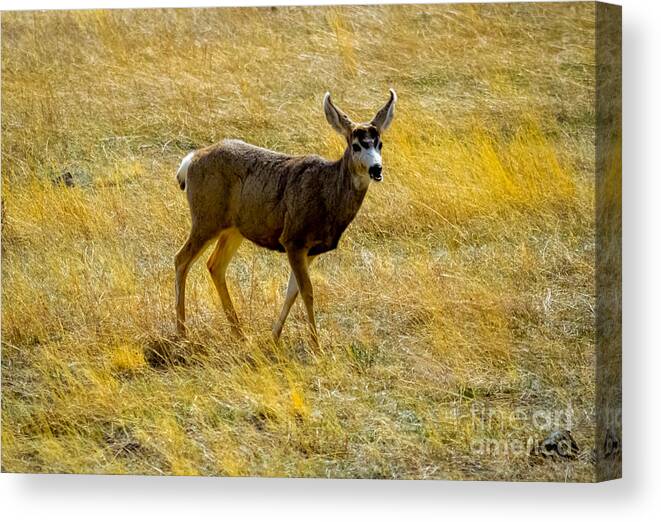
(297, 205)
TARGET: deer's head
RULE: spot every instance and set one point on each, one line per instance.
(364, 142)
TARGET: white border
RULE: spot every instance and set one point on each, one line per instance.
(71, 498)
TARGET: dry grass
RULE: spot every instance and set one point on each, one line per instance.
(460, 302)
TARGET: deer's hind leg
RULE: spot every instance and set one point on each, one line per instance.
(228, 243)
(183, 260)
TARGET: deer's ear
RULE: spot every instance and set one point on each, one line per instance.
(384, 117)
(338, 120)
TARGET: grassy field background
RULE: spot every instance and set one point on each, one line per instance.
(456, 317)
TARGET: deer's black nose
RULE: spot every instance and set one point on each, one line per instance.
(375, 172)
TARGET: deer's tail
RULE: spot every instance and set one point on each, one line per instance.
(182, 173)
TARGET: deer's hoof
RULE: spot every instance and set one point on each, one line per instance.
(238, 334)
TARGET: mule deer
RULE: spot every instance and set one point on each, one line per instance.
(299, 205)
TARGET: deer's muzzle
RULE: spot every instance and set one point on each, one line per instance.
(375, 172)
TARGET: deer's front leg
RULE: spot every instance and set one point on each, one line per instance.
(290, 297)
(298, 259)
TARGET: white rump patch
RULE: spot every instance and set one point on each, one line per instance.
(182, 173)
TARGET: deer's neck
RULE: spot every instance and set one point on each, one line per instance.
(359, 182)
(351, 186)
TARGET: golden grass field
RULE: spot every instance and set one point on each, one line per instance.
(457, 311)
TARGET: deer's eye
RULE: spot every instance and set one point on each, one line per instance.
(355, 147)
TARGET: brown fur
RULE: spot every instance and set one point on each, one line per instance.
(272, 199)
(300, 205)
